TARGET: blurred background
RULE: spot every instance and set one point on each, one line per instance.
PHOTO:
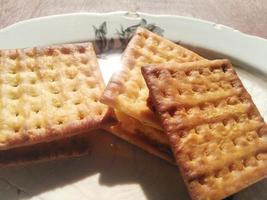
(249, 16)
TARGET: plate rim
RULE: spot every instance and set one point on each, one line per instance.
(252, 58)
(11, 26)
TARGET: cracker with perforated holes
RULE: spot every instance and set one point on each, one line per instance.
(127, 90)
(49, 93)
(147, 138)
(217, 135)
(74, 146)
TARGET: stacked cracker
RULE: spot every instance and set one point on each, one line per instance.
(50, 99)
(48, 95)
(127, 92)
(216, 133)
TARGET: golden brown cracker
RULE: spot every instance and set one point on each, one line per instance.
(218, 136)
(49, 93)
(127, 90)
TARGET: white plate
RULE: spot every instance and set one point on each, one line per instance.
(115, 169)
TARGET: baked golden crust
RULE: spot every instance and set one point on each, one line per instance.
(147, 138)
(127, 90)
(218, 136)
(49, 93)
(74, 146)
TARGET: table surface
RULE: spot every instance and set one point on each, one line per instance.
(249, 16)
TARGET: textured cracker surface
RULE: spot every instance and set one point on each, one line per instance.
(49, 93)
(217, 135)
(127, 90)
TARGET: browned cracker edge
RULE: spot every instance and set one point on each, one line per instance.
(56, 150)
(141, 143)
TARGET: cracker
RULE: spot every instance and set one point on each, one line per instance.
(217, 135)
(49, 93)
(127, 90)
(74, 146)
(147, 138)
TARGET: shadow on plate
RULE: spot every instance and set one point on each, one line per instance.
(115, 161)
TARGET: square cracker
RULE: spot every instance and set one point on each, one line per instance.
(49, 93)
(127, 90)
(217, 135)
